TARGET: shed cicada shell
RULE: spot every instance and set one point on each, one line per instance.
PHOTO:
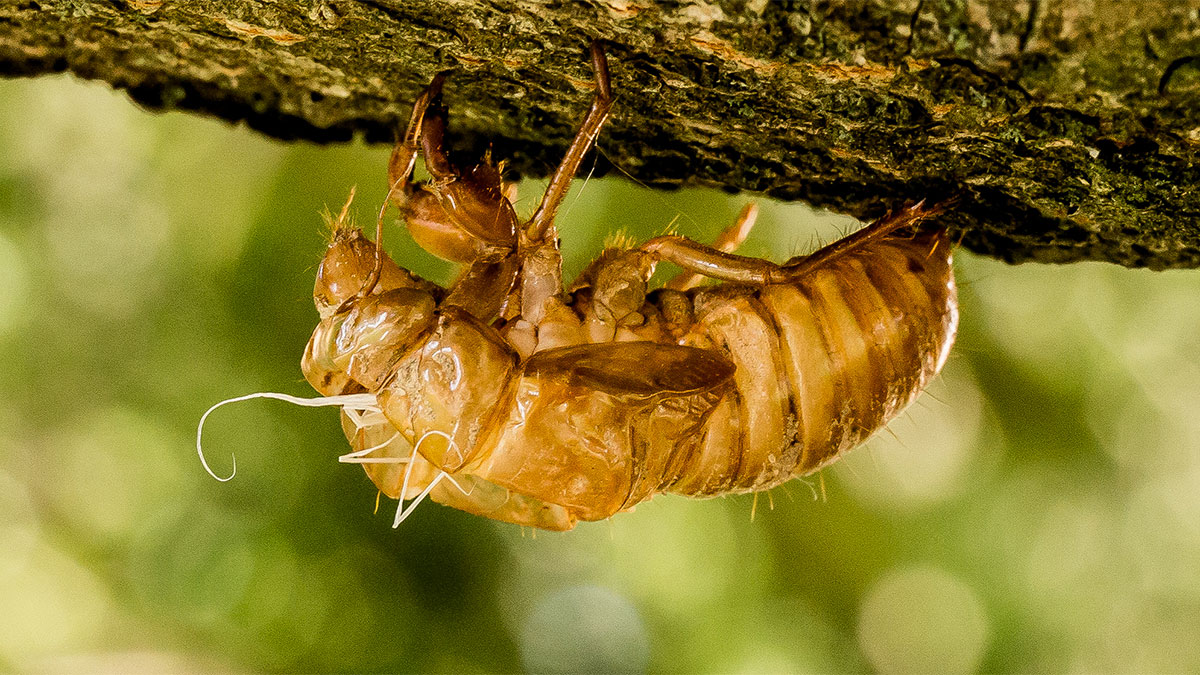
(512, 396)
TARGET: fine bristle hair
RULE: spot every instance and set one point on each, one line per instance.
(343, 222)
(672, 227)
(619, 239)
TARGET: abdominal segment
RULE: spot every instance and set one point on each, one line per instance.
(823, 362)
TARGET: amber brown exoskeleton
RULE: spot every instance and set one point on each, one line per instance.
(510, 396)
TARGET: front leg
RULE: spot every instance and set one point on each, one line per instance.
(541, 225)
(404, 154)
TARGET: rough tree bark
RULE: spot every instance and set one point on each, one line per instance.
(1071, 125)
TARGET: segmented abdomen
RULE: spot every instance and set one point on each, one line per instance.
(822, 362)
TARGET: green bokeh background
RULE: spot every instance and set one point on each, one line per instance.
(1037, 510)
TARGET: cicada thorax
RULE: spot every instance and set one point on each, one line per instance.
(441, 379)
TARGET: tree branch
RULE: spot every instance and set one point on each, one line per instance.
(1072, 125)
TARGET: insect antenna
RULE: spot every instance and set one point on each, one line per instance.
(807, 483)
(653, 193)
(895, 437)
(936, 398)
(579, 192)
(672, 227)
(373, 278)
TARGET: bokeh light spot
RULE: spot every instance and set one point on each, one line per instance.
(19, 527)
(582, 629)
(925, 454)
(123, 459)
(14, 283)
(53, 604)
(922, 620)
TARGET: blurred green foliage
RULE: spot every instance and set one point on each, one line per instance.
(1037, 510)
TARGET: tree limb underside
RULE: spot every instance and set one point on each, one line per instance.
(1071, 127)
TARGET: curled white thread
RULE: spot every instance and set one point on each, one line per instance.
(363, 411)
(355, 402)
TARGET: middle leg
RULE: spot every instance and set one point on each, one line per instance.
(541, 261)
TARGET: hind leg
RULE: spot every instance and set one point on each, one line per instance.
(707, 261)
(728, 241)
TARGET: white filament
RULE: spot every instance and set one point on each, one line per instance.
(351, 402)
(374, 417)
(401, 511)
(359, 456)
(354, 405)
(412, 461)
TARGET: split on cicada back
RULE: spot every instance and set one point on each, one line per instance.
(513, 396)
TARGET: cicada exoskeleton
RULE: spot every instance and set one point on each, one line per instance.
(507, 396)
(513, 397)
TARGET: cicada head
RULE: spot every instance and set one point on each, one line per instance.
(345, 270)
